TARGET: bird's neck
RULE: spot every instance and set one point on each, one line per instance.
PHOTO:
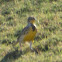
(29, 24)
(32, 24)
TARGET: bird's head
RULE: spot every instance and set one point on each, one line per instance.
(31, 20)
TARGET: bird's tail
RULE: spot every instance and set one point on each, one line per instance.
(18, 40)
(14, 42)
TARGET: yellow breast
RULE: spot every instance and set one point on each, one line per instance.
(30, 35)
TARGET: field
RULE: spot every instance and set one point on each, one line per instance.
(48, 41)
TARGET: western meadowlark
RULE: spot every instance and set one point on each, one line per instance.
(28, 33)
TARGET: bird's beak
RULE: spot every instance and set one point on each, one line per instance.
(37, 21)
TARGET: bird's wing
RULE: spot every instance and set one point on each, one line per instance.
(24, 31)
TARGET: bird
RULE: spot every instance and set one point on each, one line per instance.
(28, 33)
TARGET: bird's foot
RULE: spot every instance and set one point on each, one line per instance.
(21, 51)
(34, 50)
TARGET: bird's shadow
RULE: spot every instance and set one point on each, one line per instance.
(14, 55)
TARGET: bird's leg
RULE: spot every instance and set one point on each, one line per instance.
(20, 46)
(31, 45)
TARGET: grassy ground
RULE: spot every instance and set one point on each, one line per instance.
(47, 43)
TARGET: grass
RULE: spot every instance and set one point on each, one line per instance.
(48, 41)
